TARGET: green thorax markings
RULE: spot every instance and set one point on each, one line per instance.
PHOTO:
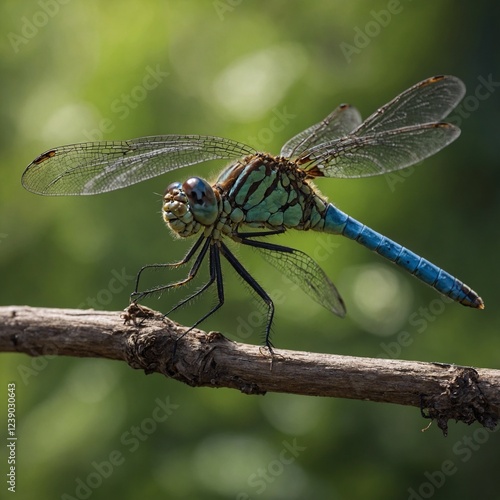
(271, 192)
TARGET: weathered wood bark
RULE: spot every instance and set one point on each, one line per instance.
(441, 391)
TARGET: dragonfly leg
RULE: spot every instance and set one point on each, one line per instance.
(136, 295)
(257, 234)
(266, 245)
(300, 269)
(215, 276)
(185, 260)
(238, 267)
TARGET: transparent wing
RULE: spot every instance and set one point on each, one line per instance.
(380, 153)
(401, 133)
(428, 101)
(98, 167)
(304, 272)
(338, 123)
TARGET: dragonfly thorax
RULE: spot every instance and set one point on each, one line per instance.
(189, 206)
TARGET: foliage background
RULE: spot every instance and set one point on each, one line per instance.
(75, 71)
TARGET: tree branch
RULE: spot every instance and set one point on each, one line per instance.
(441, 391)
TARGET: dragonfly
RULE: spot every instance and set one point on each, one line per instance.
(259, 195)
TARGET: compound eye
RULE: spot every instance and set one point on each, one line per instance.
(202, 200)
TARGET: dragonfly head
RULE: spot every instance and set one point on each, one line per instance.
(190, 205)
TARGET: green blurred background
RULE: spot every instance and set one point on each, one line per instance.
(79, 71)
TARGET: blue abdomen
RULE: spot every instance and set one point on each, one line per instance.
(337, 222)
